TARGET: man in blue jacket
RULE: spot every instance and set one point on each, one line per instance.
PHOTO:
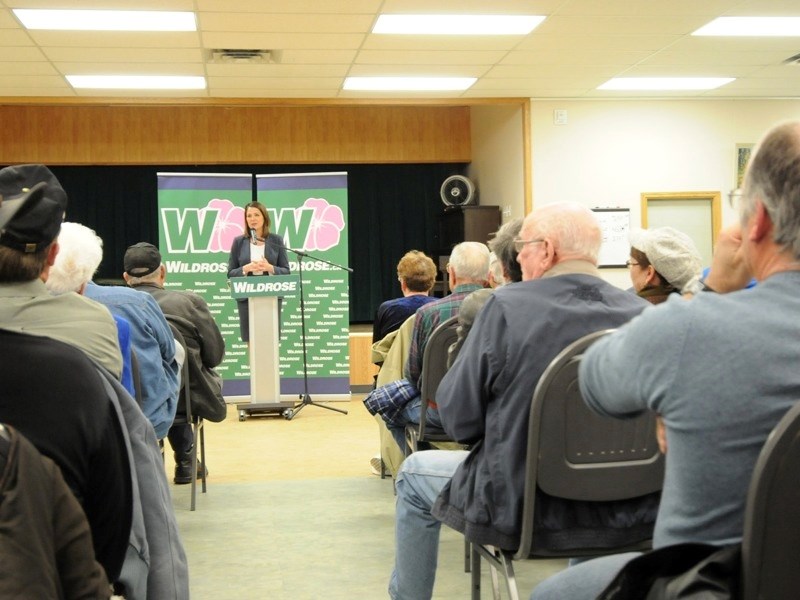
(484, 399)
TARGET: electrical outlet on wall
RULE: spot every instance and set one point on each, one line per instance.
(507, 210)
(559, 117)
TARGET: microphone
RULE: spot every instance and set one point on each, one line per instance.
(253, 238)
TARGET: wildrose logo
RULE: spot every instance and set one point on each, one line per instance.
(317, 225)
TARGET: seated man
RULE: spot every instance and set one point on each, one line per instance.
(28, 248)
(145, 272)
(485, 397)
(724, 373)
(502, 247)
(80, 256)
(468, 271)
(52, 394)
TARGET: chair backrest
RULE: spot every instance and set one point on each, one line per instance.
(186, 390)
(771, 540)
(575, 454)
(434, 365)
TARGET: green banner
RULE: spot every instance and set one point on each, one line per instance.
(309, 211)
(199, 216)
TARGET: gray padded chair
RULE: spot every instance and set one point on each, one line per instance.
(771, 540)
(434, 367)
(196, 421)
(575, 454)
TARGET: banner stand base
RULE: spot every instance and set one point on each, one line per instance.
(260, 409)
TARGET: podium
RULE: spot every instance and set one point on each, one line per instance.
(263, 293)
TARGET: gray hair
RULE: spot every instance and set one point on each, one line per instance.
(773, 176)
(80, 253)
(149, 278)
(502, 244)
(470, 260)
(572, 227)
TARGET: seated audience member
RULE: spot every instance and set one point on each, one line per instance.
(52, 394)
(484, 399)
(145, 272)
(80, 254)
(399, 404)
(28, 249)
(724, 374)
(76, 412)
(502, 246)
(663, 261)
(46, 546)
(416, 274)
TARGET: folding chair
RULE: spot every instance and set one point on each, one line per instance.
(771, 540)
(434, 367)
(196, 421)
(575, 454)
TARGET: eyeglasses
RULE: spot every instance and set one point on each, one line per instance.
(519, 243)
(630, 263)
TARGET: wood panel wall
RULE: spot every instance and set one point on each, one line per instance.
(85, 134)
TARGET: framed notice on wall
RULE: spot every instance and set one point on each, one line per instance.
(615, 224)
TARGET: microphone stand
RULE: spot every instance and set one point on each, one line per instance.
(305, 397)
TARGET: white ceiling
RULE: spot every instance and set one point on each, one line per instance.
(580, 45)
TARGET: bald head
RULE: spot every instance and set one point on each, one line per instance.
(558, 232)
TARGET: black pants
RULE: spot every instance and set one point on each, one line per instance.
(181, 438)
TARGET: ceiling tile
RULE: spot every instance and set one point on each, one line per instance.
(281, 23)
(429, 57)
(135, 55)
(282, 41)
(267, 70)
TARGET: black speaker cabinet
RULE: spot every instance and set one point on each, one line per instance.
(467, 224)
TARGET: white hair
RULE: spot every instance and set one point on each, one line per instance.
(470, 261)
(80, 253)
(571, 226)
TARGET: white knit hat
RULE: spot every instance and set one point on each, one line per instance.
(671, 252)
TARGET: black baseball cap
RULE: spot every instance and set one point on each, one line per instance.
(141, 259)
(33, 207)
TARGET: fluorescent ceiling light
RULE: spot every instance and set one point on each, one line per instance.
(137, 82)
(665, 83)
(106, 20)
(408, 83)
(752, 26)
(457, 24)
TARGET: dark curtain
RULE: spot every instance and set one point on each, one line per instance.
(392, 209)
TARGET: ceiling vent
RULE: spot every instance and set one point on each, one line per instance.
(244, 56)
(793, 61)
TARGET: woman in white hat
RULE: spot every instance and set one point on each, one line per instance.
(663, 261)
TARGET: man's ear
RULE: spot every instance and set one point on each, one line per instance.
(52, 253)
(760, 224)
(126, 277)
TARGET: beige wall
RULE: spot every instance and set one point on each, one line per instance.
(497, 157)
(609, 152)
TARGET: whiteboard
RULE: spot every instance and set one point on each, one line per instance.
(615, 223)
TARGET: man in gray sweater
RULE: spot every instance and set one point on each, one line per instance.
(721, 369)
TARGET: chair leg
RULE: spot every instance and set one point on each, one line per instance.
(467, 555)
(202, 429)
(508, 573)
(194, 474)
(475, 573)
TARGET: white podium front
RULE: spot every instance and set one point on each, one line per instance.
(263, 294)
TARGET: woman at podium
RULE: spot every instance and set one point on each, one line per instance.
(255, 252)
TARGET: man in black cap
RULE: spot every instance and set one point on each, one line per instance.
(28, 248)
(145, 272)
(49, 390)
